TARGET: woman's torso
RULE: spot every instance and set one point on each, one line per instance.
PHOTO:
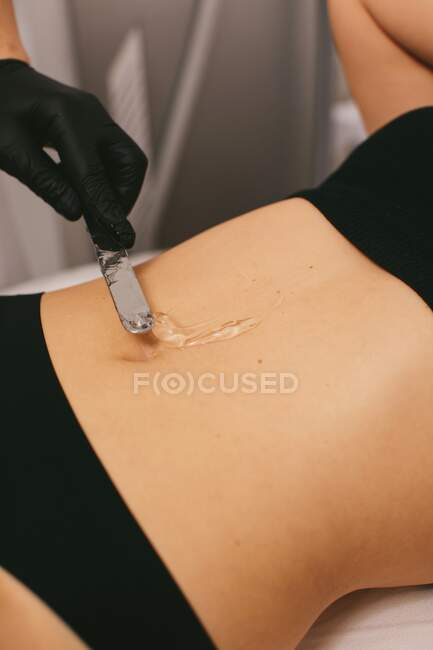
(218, 480)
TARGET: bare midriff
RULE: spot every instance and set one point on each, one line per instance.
(279, 502)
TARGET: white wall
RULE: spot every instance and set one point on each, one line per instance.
(252, 137)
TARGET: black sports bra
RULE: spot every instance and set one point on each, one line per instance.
(381, 199)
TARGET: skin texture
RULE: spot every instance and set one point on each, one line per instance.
(288, 501)
(10, 41)
(386, 47)
(26, 622)
(280, 502)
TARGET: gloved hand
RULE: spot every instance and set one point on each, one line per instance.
(101, 170)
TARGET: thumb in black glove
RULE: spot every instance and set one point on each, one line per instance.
(101, 170)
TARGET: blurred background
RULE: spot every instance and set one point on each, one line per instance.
(237, 103)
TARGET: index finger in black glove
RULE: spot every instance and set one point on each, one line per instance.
(33, 167)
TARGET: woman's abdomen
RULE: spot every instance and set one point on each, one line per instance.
(327, 458)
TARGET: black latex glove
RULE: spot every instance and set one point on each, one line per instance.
(101, 170)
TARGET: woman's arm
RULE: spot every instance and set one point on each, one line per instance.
(11, 46)
(386, 47)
